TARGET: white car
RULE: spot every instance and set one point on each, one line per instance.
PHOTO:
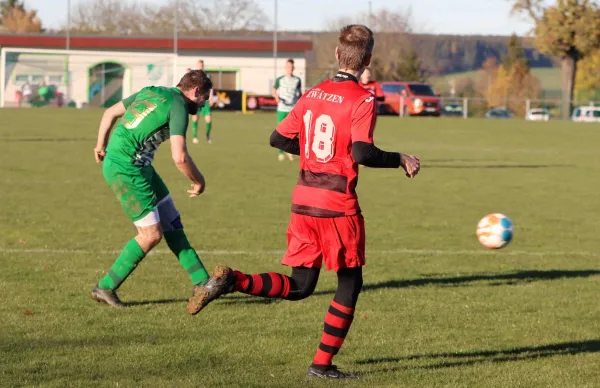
(538, 114)
(586, 114)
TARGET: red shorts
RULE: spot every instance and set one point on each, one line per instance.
(340, 241)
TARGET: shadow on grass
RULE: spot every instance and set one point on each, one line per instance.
(246, 299)
(494, 279)
(450, 360)
(148, 302)
(496, 166)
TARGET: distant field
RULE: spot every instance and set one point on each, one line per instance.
(549, 78)
(438, 309)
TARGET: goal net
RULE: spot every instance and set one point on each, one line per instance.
(37, 77)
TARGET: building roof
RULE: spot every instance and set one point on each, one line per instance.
(145, 43)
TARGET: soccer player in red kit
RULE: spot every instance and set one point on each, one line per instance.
(331, 128)
(371, 86)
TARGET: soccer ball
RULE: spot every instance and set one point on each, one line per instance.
(495, 231)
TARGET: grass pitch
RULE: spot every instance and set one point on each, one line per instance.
(438, 309)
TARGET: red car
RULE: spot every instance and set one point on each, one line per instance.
(419, 99)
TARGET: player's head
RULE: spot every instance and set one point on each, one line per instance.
(200, 65)
(289, 67)
(195, 86)
(365, 78)
(355, 47)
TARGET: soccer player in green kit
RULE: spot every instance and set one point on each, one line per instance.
(148, 118)
(205, 112)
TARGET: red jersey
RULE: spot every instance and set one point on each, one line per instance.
(328, 119)
(374, 88)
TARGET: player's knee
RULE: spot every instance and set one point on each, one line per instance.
(155, 238)
(350, 282)
(170, 220)
(151, 236)
(305, 291)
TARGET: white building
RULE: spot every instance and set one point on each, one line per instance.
(98, 71)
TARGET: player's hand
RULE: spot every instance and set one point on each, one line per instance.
(99, 154)
(197, 189)
(411, 165)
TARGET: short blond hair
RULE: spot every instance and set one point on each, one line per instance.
(355, 46)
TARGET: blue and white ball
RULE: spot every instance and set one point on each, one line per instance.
(495, 231)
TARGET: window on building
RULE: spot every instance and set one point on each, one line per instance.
(224, 80)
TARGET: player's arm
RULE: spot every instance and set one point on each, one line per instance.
(299, 88)
(285, 137)
(178, 122)
(108, 120)
(365, 152)
(275, 91)
(379, 96)
(210, 97)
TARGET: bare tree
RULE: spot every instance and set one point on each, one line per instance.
(392, 28)
(385, 20)
(127, 17)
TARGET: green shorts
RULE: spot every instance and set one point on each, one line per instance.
(205, 111)
(139, 189)
(281, 116)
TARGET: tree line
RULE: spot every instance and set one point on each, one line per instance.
(566, 33)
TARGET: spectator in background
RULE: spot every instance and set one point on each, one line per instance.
(27, 92)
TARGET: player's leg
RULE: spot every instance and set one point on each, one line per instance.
(134, 191)
(170, 222)
(195, 128)
(303, 255)
(207, 114)
(177, 241)
(280, 117)
(337, 324)
(131, 255)
(344, 242)
(299, 286)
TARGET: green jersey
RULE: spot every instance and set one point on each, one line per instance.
(153, 115)
(289, 90)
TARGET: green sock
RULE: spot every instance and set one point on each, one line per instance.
(129, 258)
(194, 129)
(281, 152)
(189, 260)
(208, 129)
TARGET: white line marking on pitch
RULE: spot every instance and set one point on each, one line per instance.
(429, 252)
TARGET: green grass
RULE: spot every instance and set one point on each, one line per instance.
(438, 309)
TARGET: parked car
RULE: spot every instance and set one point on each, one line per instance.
(419, 99)
(498, 113)
(586, 114)
(452, 109)
(538, 114)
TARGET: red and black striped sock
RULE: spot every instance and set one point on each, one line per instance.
(268, 285)
(337, 323)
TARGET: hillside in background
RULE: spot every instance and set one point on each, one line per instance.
(441, 54)
(549, 78)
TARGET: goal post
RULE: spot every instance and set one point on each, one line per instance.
(33, 76)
